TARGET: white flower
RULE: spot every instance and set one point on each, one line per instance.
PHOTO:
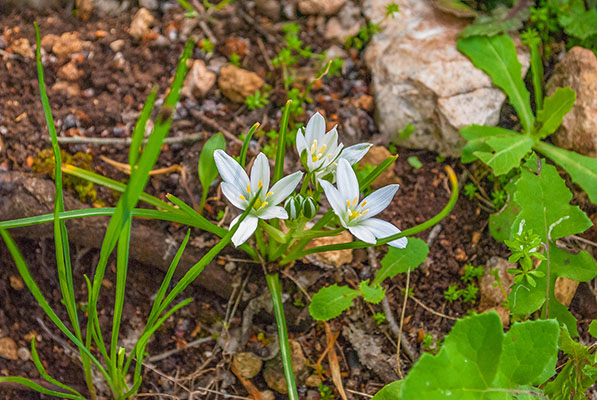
(319, 151)
(240, 191)
(355, 216)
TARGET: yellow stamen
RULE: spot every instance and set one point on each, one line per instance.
(364, 203)
(269, 194)
(365, 212)
(242, 197)
(249, 188)
(348, 203)
(322, 149)
(264, 204)
(260, 184)
(314, 147)
(355, 201)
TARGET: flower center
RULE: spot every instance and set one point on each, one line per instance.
(315, 154)
(355, 211)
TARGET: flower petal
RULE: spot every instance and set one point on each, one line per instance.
(336, 201)
(382, 229)
(245, 230)
(272, 212)
(348, 185)
(377, 201)
(330, 140)
(230, 170)
(233, 195)
(282, 189)
(260, 174)
(301, 144)
(354, 153)
(315, 129)
(362, 233)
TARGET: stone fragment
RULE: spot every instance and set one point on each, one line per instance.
(47, 42)
(23, 353)
(68, 88)
(565, 289)
(492, 296)
(375, 156)
(269, 8)
(268, 395)
(22, 47)
(69, 72)
(419, 77)
(16, 282)
(68, 43)
(247, 364)
(578, 70)
(141, 23)
(237, 83)
(149, 4)
(320, 7)
(117, 45)
(364, 102)
(346, 23)
(199, 80)
(335, 258)
(313, 381)
(8, 349)
(274, 371)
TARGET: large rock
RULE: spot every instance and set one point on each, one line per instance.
(237, 83)
(419, 77)
(578, 70)
(199, 80)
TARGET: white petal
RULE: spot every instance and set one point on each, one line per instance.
(301, 144)
(348, 185)
(230, 170)
(379, 200)
(382, 229)
(330, 140)
(315, 129)
(260, 173)
(233, 195)
(362, 233)
(336, 201)
(272, 212)
(282, 189)
(354, 153)
(245, 230)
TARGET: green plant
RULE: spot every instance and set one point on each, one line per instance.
(452, 294)
(471, 272)
(325, 392)
(207, 167)
(234, 59)
(207, 46)
(257, 100)
(379, 318)
(366, 32)
(415, 162)
(470, 190)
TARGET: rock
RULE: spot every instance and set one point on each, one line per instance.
(364, 102)
(8, 349)
(141, 23)
(199, 80)
(23, 48)
(347, 23)
(47, 42)
(23, 353)
(68, 88)
(268, 395)
(335, 258)
(269, 8)
(149, 4)
(320, 7)
(274, 371)
(565, 289)
(313, 381)
(247, 364)
(578, 70)
(375, 156)
(69, 72)
(492, 296)
(419, 77)
(117, 45)
(84, 9)
(68, 43)
(237, 83)
(16, 282)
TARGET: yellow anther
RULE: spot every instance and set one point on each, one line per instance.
(260, 184)
(322, 149)
(348, 203)
(269, 194)
(249, 188)
(365, 212)
(355, 201)
(242, 197)
(264, 204)
(314, 147)
(364, 203)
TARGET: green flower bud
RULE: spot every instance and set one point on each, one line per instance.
(293, 206)
(309, 208)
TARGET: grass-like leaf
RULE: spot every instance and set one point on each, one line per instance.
(279, 165)
(139, 132)
(208, 172)
(245, 148)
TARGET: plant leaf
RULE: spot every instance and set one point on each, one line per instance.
(593, 328)
(389, 392)
(500, 223)
(477, 136)
(496, 55)
(507, 153)
(500, 21)
(582, 169)
(579, 23)
(372, 294)
(398, 261)
(330, 301)
(208, 172)
(555, 107)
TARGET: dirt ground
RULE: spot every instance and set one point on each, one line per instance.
(109, 98)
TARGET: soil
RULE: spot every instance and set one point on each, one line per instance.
(110, 98)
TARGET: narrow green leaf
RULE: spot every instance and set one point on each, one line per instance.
(38, 388)
(399, 261)
(208, 172)
(556, 106)
(245, 148)
(507, 153)
(279, 165)
(373, 175)
(582, 169)
(496, 55)
(139, 132)
(372, 294)
(122, 259)
(532, 40)
(42, 371)
(330, 301)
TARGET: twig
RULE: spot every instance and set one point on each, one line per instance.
(359, 393)
(126, 168)
(166, 354)
(581, 239)
(270, 66)
(211, 122)
(402, 322)
(431, 310)
(125, 141)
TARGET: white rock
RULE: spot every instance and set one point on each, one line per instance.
(347, 23)
(320, 7)
(199, 80)
(419, 77)
(141, 23)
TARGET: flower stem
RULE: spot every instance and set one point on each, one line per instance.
(273, 282)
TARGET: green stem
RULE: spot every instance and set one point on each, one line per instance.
(273, 282)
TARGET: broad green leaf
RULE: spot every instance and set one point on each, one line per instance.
(477, 136)
(580, 267)
(372, 294)
(500, 21)
(389, 392)
(500, 223)
(525, 299)
(545, 206)
(582, 169)
(208, 172)
(496, 55)
(398, 261)
(330, 301)
(477, 361)
(579, 22)
(556, 106)
(507, 153)
(560, 312)
(593, 328)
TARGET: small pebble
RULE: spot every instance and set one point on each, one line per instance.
(24, 353)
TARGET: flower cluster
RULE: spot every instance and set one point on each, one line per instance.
(327, 161)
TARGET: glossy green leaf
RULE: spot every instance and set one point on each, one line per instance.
(477, 361)
(330, 301)
(507, 152)
(208, 172)
(555, 107)
(477, 136)
(389, 392)
(582, 169)
(496, 55)
(398, 261)
(580, 267)
(525, 299)
(371, 294)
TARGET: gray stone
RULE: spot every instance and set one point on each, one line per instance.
(419, 77)
(247, 364)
